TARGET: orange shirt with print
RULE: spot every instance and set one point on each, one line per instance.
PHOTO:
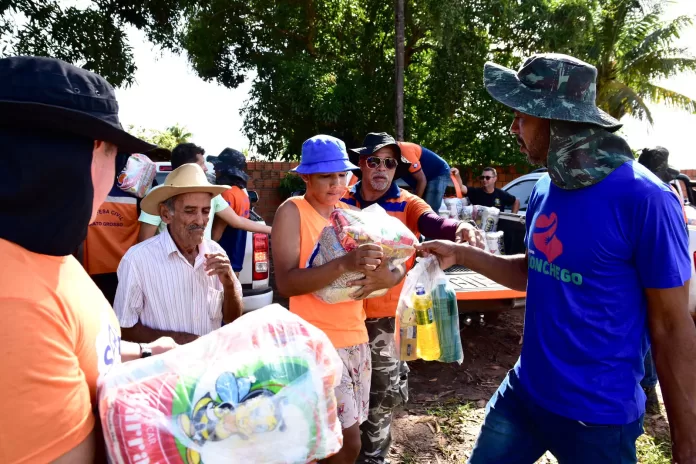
(343, 323)
(412, 152)
(238, 201)
(407, 208)
(58, 334)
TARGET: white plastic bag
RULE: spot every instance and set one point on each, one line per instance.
(349, 229)
(136, 178)
(494, 242)
(259, 390)
(444, 315)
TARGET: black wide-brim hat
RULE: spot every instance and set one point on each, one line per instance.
(231, 162)
(47, 93)
(373, 142)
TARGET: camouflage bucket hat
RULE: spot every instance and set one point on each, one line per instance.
(550, 86)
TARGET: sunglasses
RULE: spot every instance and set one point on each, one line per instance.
(373, 162)
(486, 177)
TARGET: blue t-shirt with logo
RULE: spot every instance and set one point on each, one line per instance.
(592, 252)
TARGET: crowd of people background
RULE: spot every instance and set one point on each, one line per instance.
(575, 390)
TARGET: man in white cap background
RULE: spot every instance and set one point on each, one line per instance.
(60, 133)
(606, 273)
(177, 284)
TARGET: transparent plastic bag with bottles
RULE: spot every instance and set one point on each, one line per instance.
(427, 318)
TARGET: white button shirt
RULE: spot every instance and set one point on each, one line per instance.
(159, 287)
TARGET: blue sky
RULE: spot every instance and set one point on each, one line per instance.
(167, 91)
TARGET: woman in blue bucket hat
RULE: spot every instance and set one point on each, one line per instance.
(300, 220)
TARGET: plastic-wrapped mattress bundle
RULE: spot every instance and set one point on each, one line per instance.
(349, 229)
(137, 176)
(260, 390)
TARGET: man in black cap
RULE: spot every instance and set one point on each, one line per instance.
(60, 134)
(381, 161)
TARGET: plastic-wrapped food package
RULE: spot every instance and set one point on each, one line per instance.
(455, 207)
(259, 390)
(495, 243)
(137, 176)
(467, 213)
(489, 219)
(427, 317)
(349, 229)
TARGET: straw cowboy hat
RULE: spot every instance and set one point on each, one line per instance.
(188, 178)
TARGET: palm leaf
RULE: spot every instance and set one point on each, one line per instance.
(658, 94)
(663, 63)
(659, 39)
(618, 99)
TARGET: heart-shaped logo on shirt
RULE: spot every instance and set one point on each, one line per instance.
(544, 237)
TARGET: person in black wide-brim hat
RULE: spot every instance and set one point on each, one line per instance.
(60, 135)
(373, 142)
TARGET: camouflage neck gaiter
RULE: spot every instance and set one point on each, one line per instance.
(581, 155)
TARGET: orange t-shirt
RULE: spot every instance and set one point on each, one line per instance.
(407, 208)
(238, 201)
(343, 323)
(112, 233)
(58, 334)
(412, 152)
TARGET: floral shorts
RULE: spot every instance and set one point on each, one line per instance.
(353, 394)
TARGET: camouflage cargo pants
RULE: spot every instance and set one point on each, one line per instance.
(389, 389)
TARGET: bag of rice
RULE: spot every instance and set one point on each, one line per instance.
(489, 219)
(259, 390)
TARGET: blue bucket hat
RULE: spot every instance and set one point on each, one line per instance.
(323, 154)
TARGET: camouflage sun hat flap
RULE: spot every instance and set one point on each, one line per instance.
(550, 86)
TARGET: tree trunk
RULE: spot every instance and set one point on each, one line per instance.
(399, 22)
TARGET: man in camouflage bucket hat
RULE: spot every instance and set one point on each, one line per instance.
(607, 258)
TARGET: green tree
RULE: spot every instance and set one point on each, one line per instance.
(168, 138)
(179, 133)
(633, 47)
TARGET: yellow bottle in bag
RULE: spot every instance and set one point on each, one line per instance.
(407, 335)
(428, 345)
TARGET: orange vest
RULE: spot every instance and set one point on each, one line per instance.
(343, 323)
(406, 207)
(113, 232)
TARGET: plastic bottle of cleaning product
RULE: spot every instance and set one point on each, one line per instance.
(407, 334)
(447, 320)
(428, 345)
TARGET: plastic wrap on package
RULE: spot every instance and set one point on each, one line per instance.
(477, 215)
(489, 219)
(495, 243)
(137, 176)
(349, 229)
(259, 390)
(467, 213)
(427, 272)
(455, 207)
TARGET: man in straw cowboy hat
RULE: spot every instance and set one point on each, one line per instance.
(177, 284)
(60, 134)
(607, 264)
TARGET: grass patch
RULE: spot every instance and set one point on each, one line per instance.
(450, 416)
(652, 450)
(408, 458)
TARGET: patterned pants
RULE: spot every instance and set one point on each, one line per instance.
(389, 389)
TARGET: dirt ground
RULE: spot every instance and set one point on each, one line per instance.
(443, 417)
